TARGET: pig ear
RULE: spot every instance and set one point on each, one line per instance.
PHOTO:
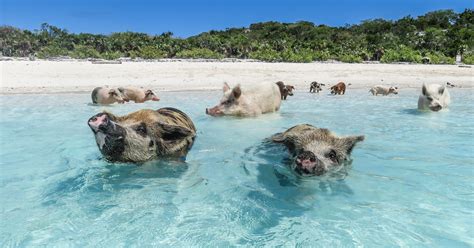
(226, 87)
(423, 89)
(236, 92)
(173, 132)
(110, 115)
(441, 90)
(279, 138)
(351, 141)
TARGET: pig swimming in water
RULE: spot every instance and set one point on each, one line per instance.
(104, 95)
(143, 135)
(248, 100)
(316, 151)
(138, 95)
(433, 97)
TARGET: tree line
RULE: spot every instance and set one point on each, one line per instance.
(435, 37)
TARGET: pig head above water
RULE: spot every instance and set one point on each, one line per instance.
(316, 151)
(248, 100)
(433, 97)
(143, 135)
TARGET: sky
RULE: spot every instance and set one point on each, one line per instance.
(185, 18)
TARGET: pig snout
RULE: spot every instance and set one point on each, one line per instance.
(155, 98)
(215, 111)
(436, 108)
(308, 163)
(99, 122)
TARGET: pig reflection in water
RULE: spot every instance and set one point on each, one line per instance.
(248, 100)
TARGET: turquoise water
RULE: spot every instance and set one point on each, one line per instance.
(410, 184)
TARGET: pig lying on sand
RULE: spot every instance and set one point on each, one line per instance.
(433, 97)
(316, 151)
(249, 100)
(383, 90)
(143, 135)
(104, 95)
(138, 95)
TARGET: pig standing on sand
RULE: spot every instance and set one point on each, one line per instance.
(315, 87)
(285, 90)
(433, 97)
(383, 90)
(138, 95)
(248, 100)
(316, 151)
(104, 95)
(339, 88)
(143, 135)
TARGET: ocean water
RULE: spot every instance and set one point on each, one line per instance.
(410, 183)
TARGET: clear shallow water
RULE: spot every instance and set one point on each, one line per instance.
(410, 184)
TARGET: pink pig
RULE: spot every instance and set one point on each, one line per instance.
(104, 95)
(138, 95)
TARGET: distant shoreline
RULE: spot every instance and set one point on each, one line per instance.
(223, 60)
(22, 76)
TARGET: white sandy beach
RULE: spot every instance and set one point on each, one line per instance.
(19, 77)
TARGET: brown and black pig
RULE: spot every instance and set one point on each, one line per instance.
(105, 95)
(285, 90)
(143, 135)
(249, 100)
(316, 151)
(138, 95)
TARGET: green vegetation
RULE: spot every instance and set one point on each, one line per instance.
(199, 53)
(436, 37)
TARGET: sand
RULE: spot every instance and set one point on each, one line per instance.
(23, 77)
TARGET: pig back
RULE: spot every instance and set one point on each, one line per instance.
(267, 96)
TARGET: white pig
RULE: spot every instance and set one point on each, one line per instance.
(104, 95)
(383, 90)
(433, 97)
(249, 100)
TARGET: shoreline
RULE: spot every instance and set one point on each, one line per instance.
(72, 76)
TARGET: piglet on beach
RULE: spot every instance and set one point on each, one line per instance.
(285, 90)
(339, 88)
(383, 90)
(248, 100)
(138, 95)
(104, 95)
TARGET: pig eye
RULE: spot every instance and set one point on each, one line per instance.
(429, 98)
(332, 155)
(141, 129)
(227, 102)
